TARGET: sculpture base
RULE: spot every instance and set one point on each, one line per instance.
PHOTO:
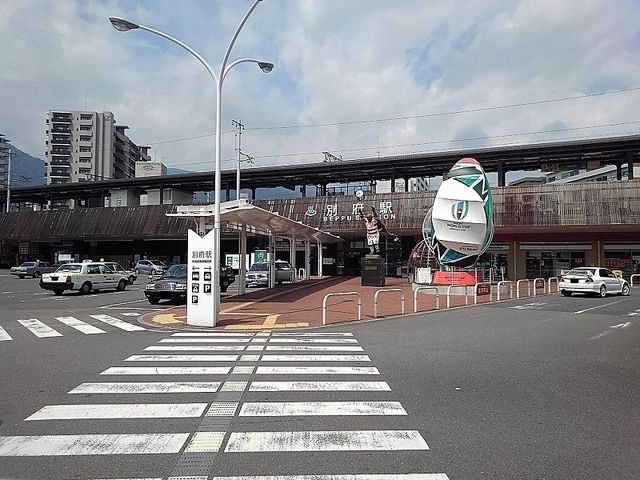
(372, 271)
(457, 278)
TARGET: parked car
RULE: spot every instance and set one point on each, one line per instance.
(150, 267)
(592, 281)
(172, 285)
(258, 274)
(83, 277)
(35, 269)
(116, 267)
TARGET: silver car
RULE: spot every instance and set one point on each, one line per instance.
(150, 267)
(592, 281)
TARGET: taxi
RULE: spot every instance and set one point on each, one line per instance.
(83, 277)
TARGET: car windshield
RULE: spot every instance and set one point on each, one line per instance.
(115, 266)
(28, 264)
(158, 263)
(582, 271)
(176, 271)
(259, 267)
(69, 268)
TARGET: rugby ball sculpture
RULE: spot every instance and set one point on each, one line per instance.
(459, 226)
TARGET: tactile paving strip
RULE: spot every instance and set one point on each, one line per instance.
(205, 442)
(222, 409)
(245, 370)
(233, 387)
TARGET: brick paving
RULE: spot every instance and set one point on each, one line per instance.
(300, 305)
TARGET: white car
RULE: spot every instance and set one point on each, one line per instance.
(83, 277)
(592, 281)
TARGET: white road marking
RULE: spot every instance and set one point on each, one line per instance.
(4, 336)
(318, 386)
(122, 303)
(317, 371)
(96, 444)
(621, 325)
(121, 410)
(80, 325)
(599, 306)
(193, 348)
(130, 314)
(147, 387)
(314, 348)
(323, 441)
(294, 409)
(312, 340)
(204, 340)
(116, 322)
(315, 358)
(39, 329)
(211, 334)
(319, 334)
(166, 371)
(182, 358)
(357, 476)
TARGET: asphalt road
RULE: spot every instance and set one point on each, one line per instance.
(538, 388)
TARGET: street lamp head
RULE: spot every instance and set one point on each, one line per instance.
(122, 25)
(265, 67)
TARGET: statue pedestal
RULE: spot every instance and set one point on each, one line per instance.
(372, 271)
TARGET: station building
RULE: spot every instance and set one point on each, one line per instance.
(540, 228)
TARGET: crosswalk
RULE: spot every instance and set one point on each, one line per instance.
(217, 412)
(93, 324)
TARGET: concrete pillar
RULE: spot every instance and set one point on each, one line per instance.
(629, 167)
(253, 193)
(502, 175)
(393, 184)
(242, 274)
(304, 191)
(292, 257)
(619, 171)
(272, 259)
(307, 256)
(319, 259)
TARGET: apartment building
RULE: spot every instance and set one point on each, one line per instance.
(88, 146)
(4, 161)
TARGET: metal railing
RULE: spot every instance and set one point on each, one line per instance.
(475, 291)
(502, 282)
(375, 299)
(466, 297)
(415, 297)
(634, 275)
(549, 284)
(535, 285)
(326, 297)
(528, 287)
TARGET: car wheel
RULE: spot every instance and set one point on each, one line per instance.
(626, 290)
(122, 284)
(603, 291)
(85, 288)
(153, 272)
(566, 293)
(132, 279)
(153, 300)
(20, 276)
(37, 275)
(57, 292)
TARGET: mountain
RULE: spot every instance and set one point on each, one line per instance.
(26, 169)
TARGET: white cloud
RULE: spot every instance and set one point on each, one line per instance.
(335, 61)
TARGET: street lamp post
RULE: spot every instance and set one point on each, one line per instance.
(124, 25)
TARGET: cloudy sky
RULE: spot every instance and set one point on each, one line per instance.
(357, 78)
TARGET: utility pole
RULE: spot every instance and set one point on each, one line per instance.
(239, 126)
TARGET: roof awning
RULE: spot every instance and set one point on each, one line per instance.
(238, 213)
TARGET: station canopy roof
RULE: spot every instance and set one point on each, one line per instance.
(237, 213)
